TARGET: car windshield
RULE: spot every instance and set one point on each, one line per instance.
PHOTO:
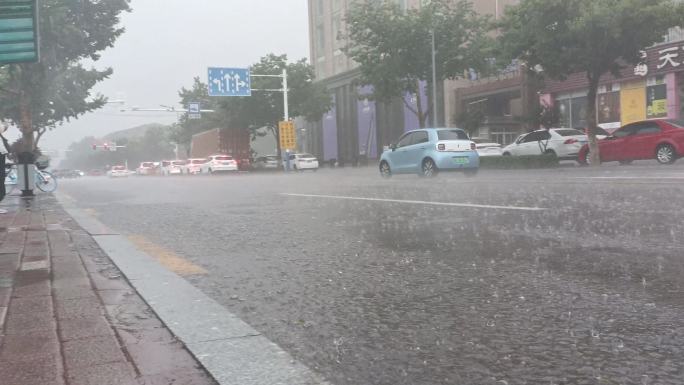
(306, 156)
(198, 161)
(568, 132)
(118, 168)
(271, 158)
(179, 163)
(452, 135)
(223, 158)
(678, 123)
(147, 164)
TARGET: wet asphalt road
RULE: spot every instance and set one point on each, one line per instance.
(587, 291)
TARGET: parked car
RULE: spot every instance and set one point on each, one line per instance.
(146, 168)
(95, 172)
(662, 140)
(118, 172)
(172, 167)
(426, 152)
(565, 143)
(193, 166)
(219, 163)
(302, 162)
(487, 148)
(269, 162)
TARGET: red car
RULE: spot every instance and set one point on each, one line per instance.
(661, 139)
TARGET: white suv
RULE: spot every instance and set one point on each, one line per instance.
(219, 163)
(565, 143)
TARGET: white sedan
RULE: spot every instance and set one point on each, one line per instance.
(565, 143)
(486, 148)
(302, 162)
(118, 172)
(172, 167)
(219, 163)
(193, 166)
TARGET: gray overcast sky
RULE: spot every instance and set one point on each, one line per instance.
(168, 42)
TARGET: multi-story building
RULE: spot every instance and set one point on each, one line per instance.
(357, 128)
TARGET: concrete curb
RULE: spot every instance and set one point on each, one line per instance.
(229, 349)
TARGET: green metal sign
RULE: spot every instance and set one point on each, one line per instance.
(18, 31)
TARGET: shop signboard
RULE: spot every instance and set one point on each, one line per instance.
(633, 102)
(656, 98)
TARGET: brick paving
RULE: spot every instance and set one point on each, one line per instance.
(68, 317)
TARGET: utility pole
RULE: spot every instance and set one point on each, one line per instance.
(434, 81)
(286, 106)
(286, 103)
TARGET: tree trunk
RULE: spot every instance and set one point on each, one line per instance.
(594, 155)
(419, 106)
(26, 123)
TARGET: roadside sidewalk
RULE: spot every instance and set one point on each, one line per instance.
(67, 315)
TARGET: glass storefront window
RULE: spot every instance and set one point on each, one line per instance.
(578, 113)
(608, 107)
(573, 111)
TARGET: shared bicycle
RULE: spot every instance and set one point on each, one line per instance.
(45, 181)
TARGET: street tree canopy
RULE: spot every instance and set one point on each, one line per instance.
(594, 37)
(393, 46)
(37, 97)
(264, 109)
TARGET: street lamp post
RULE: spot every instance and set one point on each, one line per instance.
(434, 80)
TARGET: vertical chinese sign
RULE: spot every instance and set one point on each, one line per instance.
(656, 98)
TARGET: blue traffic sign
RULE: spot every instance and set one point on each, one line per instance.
(230, 82)
(194, 110)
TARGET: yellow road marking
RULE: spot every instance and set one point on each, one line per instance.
(167, 258)
(92, 212)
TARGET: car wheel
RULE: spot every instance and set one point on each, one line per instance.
(665, 154)
(429, 168)
(385, 170)
(551, 153)
(471, 172)
(626, 162)
(506, 154)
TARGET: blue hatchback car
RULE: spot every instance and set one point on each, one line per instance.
(428, 151)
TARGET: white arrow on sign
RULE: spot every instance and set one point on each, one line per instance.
(239, 83)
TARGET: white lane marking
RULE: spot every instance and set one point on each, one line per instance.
(448, 204)
(633, 177)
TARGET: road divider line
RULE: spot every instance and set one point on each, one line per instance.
(415, 202)
(633, 177)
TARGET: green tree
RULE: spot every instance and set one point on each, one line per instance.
(594, 37)
(264, 109)
(394, 51)
(37, 97)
